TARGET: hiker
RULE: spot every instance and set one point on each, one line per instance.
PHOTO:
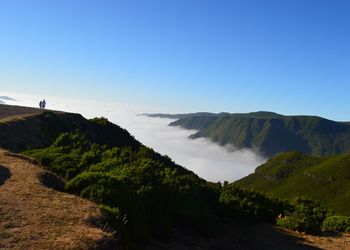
(43, 104)
(40, 104)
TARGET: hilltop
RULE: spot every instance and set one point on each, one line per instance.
(269, 133)
(10, 112)
(23, 128)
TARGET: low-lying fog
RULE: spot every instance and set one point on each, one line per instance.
(208, 160)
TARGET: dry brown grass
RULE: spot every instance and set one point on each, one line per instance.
(288, 239)
(331, 241)
(9, 111)
(35, 217)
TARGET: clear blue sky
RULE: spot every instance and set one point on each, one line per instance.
(290, 56)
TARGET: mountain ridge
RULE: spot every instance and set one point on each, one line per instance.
(269, 133)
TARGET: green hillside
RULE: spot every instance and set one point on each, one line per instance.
(270, 133)
(289, 175)
(144, 196)
(41, 129)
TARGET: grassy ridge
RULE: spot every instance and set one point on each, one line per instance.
(270, 133)
(292, 174)
(38, 131)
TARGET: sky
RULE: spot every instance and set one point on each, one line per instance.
(290, 57)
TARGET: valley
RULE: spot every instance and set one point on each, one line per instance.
(101, 162)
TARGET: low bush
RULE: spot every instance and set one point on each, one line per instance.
(103, 188)
(117, 221)
(336, 223)
(250, 205)
(307, 216)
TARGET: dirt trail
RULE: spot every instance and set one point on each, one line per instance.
(35, 217)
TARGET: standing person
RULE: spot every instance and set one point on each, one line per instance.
(44, 104)
(40, 104)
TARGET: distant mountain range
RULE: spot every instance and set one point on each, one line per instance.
(268, 133)
(179, 116)
(7, 98)
(292, 174)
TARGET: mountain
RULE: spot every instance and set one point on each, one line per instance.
(270, 133)
(290, 175)
(178, 116)
(7, 98)
(142, 199)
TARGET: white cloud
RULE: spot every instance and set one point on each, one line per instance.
(208, 160)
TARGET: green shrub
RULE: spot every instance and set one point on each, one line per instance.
(249, 205)
(308, 216)
(336, 223)
(102, 121)
(117, 221)
(155, 194)
(103, 188)
(299, 223)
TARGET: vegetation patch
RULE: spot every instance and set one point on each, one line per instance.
(336, 223)
(4, 235)
(307, 216)
(143, 194)
(291, 175)
(270, 133)
(252, 206)
(10, 225)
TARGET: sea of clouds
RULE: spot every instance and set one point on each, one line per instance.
(206, 159)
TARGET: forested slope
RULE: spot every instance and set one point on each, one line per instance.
(290, 175)
(270, 133)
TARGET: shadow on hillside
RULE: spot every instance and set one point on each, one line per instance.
(262, 236)
(51, 180)
(265, 236)
(331, 234)
(4, 174)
